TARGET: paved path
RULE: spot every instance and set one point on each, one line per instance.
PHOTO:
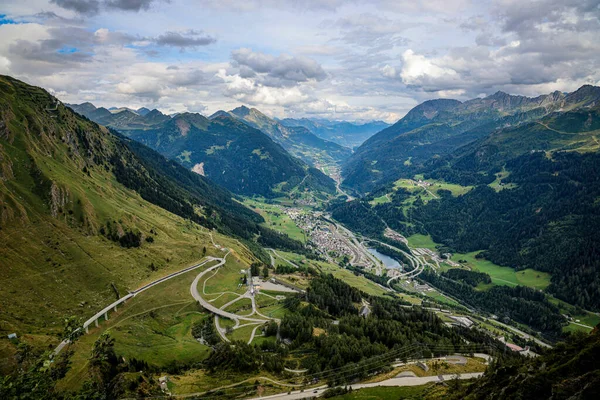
(280, 256)
(113, 306)
(519, 332)
(583, 325)
(210, 307)
(404, 381)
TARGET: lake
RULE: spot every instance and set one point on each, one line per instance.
(389, 262)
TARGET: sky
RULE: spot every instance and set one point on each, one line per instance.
(344, 60)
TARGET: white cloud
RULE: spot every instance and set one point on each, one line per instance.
(417, 68)
(347, 59)
(246, 90)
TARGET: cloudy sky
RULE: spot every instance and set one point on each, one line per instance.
(352, 60)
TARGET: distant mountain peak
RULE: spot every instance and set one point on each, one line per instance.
(499, 95)
(220, 113)
(143, 111)
(241, 111)
(153, 112)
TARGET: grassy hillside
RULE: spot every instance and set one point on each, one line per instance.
(86, 216)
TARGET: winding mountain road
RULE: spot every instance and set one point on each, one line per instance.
(114, 305)
(196, 295)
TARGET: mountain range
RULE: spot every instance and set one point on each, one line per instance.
(439, 127)
(97, 202)
(225, 147)
(297, 140)
(525, 175)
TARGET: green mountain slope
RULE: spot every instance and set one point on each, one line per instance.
(575, 130)
(299, 141)
(87, 215)
(439, 127)
(534, 204)
(230, 153)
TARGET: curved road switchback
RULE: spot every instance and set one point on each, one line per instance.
(196, 295)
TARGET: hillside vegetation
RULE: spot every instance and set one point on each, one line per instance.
(569, 371)
(437, 128)
(87, 216)
(228, 149)
(530, 181)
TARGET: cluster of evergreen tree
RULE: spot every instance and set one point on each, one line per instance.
(520, 303)
(288, 269)
(358, 216)
(128, 239)
(109, 376)
(568, 371)
(546, 220)
(348, 344)
(472, 278)
(206, 330)
(333, 295)
(271, 238)
(239, 356)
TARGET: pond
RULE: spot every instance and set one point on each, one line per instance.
(388, 261)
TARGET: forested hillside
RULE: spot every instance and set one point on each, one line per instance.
(298, 140)
(569, 371)
(229, 152)
(530, 189)
(548, 221)
(437, 128)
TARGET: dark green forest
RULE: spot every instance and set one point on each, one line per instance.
(549, 222)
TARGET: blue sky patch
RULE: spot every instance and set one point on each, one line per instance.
(6, 21)
(68, 50)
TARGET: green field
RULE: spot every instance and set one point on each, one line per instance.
(456, 190)
(381, 200)
(505, 275)
(579, 316)
(441, 298)
(226, 279)
(242, 333)
(496, 184)
(432, 188)
(241, 307)
(500, 275)
(276, 219)
(421, 241)
(154, 326)
(274, 311)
